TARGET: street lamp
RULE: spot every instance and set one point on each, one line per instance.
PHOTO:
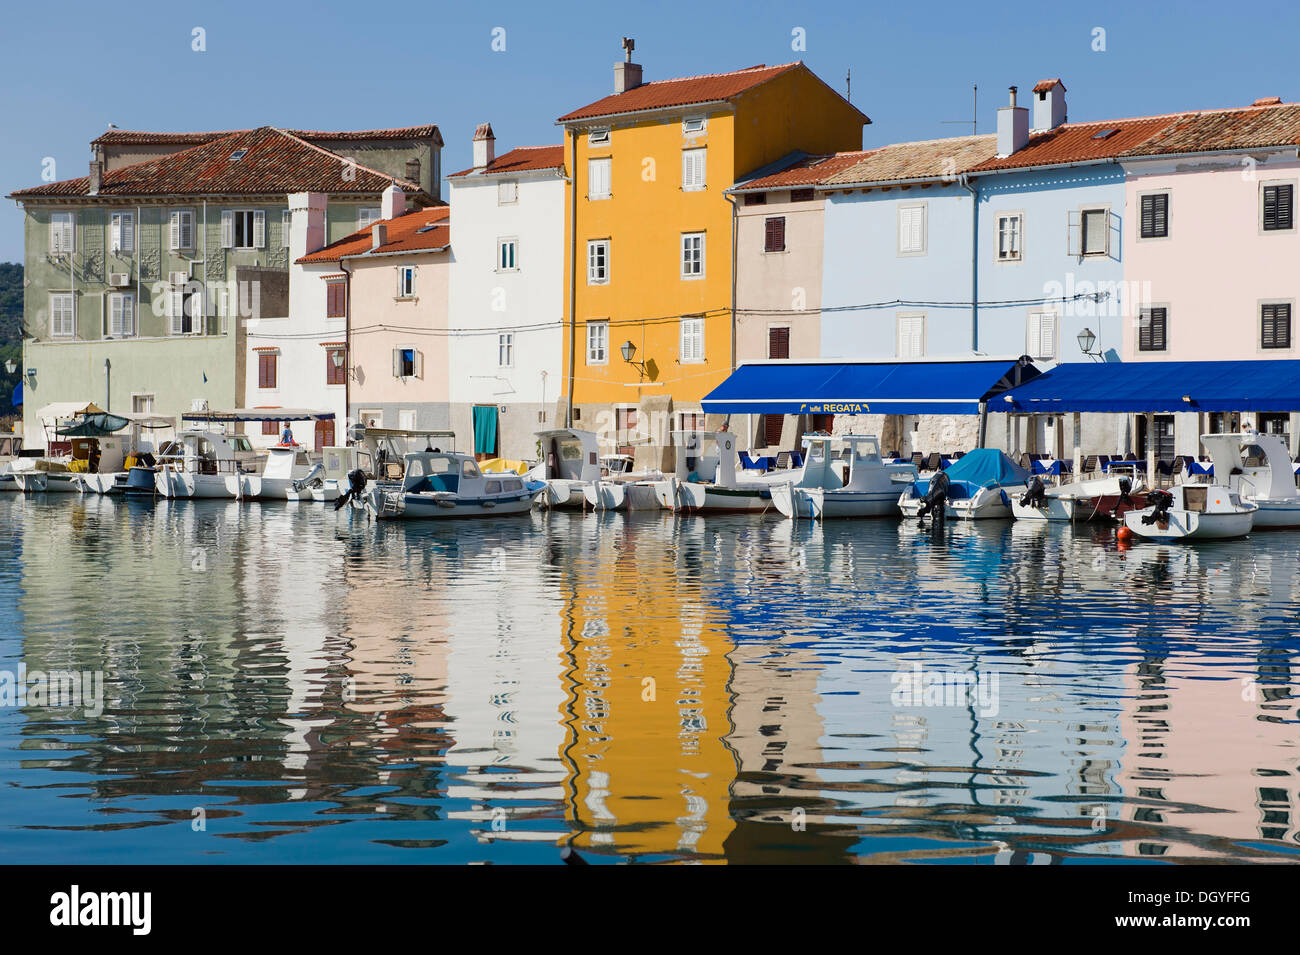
(11, 366)
(337, 358)
(1086, 340)
(628, 351)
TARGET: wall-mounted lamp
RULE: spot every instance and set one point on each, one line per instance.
(337, 358)
(1086, 341)
(629, 352)
(11, 366)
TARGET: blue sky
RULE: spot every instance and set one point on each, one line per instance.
(70, 69)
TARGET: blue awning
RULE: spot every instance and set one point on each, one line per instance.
(895, 387)
(1137, 387)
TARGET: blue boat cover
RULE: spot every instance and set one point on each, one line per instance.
(907, 387)
(987, 467)
(1136, 387)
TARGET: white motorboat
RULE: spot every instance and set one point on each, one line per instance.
(619, 488)
(570, 463)
(1258, 467)
(870, 487)
(198, 463)
(705, 478)
(375, 455)
(284, 476)
(1193, 511)
(980, 487)
(1080, 501)
(447, 484)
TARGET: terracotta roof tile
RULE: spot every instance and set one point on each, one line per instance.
(1042, 86)
(274, 162)
(520, 159)
(1078, 142)
(684, 91)
(930, 159)
(798, 169)
(123, 137)
(423, 230)
(1251, 127)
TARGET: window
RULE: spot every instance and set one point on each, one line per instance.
(1009, 237)
(506, 350)
(63, 232)
(1040, 338)
(756, 198)
(693, 124)
(507, 255)
(286, 226)
(1275, 325)
(336, 299)
(406, 364)
(406, 419)
(266, 362)
(625, 422)
(63, 315)
(270, 427)
(121, 232)
(598, 137)
(597, 343)
(1155, 216)
(121, 315)
(692, 421)
(336, 366)
(911, 230)
(693, 163)
(598, 178)
(598, 262)
(243, 229)
(802, 195)
(507, 192)
(406, 281)
(772, 426)
(778, 341)
(1277, 206)
(368, 216)
(1153, 329)
(1096, 231)
(692, 340)
(774, 234)
(911, 335)
(181, 228)
(693, 255)
(184, 303)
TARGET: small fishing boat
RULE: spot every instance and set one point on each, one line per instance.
(619, 488)
(870, 487)
(1258, 467)
(446, 484)
(1104, 498)
(1193, 511)
(705, 478)
(980, 487)
(570, 463)
(198, 463)
(288, 474)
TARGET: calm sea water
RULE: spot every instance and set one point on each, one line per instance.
(284, 684)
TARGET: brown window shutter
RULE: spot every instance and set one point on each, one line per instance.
(778, 343)
(774, 238)
(772, 424)
(266, 371)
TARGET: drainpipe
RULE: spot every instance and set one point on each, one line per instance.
(573, 272)
(347, 349)
(108, 381)
(974, 269)
(731, 200)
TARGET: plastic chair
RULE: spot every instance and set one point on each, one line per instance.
(783, 460)
(1090, 464)
(934, 462)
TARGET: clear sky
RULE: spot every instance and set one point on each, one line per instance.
(71, 68)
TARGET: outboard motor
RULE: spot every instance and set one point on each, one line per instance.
(935, 497)
(356, 488)
(314, 478)
(1160, 501)
(1036, 495)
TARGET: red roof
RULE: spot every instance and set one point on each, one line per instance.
(1078, 142)
(424, 230)
(121, 137)
(520, 159)
(1042, 86)
(800, 170)
(686, 91)
(273, 162)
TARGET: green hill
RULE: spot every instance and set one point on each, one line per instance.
(11, 329)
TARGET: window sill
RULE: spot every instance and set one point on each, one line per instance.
(693, 278)
(776, 251)
(406, 298)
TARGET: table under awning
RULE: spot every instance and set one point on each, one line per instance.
(959, 386)
(1159, 387)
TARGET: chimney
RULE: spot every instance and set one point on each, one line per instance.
(393, 203)
(1013, 127)
(306, 223)
(1049, 105)
(413, 171)
(485, 146)
(378, 235)
(96, 176)
(627, 75)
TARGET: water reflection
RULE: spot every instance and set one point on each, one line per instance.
(282, 683)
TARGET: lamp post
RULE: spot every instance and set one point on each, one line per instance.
(628, 351)
(1086, 340)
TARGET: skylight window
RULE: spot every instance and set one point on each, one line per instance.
(1105, 134)
(238, 154)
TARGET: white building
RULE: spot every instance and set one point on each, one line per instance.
(506, 295)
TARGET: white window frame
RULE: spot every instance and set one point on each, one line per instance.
(1018, 232)
(1259, 211)
(406, 278)
(510, 242)
(254, 222)
(368, 216)
(63, 236)
(690, 271)
(908, 247)
(690, 167)
(1034, 328)
(70, 307)
(594, 192)
(690, 340)
(898, 334)
(592, 246)
(121, 225)
(124, 304)
(687, 121)
(505, 349)
(286, 227)
(416, 362)
(599, 136)
(1084, 212)
(507, 192)
(178, 222)
(601, 330)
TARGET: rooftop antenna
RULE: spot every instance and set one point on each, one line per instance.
(629, 45)
(848, 85)
(974, 116)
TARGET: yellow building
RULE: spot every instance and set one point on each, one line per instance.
(650, 235)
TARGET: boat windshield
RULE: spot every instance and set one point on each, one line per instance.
(240, 443)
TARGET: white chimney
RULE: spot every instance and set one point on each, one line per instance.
(393, 204)
(1013, 127)
(306, 223)
(627, 75)
(378, 235)
(1049, 105)
(485, 146)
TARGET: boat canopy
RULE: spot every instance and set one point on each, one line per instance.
(259, 414)
(94, 426)
(867, 387)
(1137, 387)
(987, 467)
(59, 410)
